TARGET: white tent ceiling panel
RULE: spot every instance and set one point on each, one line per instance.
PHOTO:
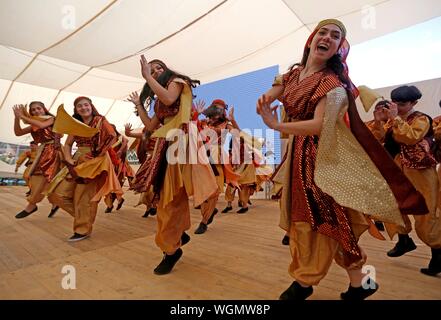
(21, 93)
(200, 49)
(128, 27)
(313, 11)
(284, 52)
(13, 61)
(123, 112)
(4, 85)
(216, 42)
(107, 84)
(36, 25)
(52, 73)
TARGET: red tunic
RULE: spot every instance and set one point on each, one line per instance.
(309, 203)
(49, 161)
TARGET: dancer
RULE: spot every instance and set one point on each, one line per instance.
(29, 157)
(145, 146)
(217, 126)
(47, 160)
(408, 135)
(89, 174)
(172, 182)
(123, 170)
(326, 188)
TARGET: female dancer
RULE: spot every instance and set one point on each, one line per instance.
(47, 160)
(332, 174)
(172, 181)
(89, 174)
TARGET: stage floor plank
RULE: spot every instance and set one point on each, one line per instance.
(239, 257)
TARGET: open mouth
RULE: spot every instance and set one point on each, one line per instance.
(322, 47)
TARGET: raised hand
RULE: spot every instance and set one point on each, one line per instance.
(16, 109)
(146, 68)
(128, 129)
(268, 114)
(134, 98)
(19, 110)
(231, 114)
(393, 110)
(199, 105)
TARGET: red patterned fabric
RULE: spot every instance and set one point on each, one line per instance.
(309, 202)
(49, 161)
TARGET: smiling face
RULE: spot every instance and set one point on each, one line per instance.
(325, 42)
(84, 108)
(36, 109)
(156, 70)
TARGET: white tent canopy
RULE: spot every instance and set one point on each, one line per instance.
(54, 50)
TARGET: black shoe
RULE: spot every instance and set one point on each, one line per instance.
(434, 265)
(201, 229)
(120, 204)
(379, 225)
(242, 210)
(215, 211)
(185, 238)
(23, 214)
(151, 212)
(168, 262)
(77, 237)
(285, 241)
(296, 292)
(228, 208)
(360, 293)
(53, 211)
(108, 210)
(28, 192)
(404, 244)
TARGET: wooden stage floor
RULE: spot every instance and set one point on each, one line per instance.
(239, 257)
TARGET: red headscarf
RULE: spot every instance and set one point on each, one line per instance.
(343, 49)
(219, 102)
